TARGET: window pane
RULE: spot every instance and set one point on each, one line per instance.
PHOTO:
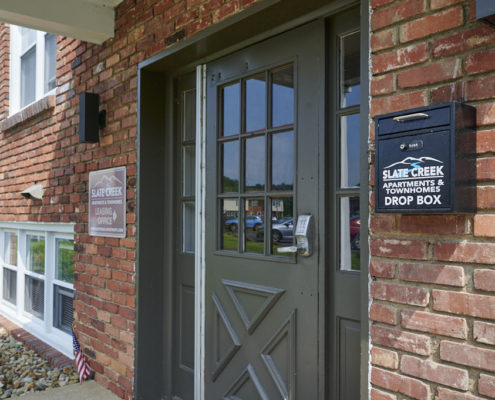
(254, 215)
(255, 164)
(50, 61)
(36, 253)
(229, 224)
(10, 247)
(34, 301)
(230, 167)
(282, 154)
(64, 310)
(231, 115)
(28, 38)
(349, 146)
(65, 260)
(189, 123)
(350, 234)
(283, 97)
(282, 224)
(350, 64)
(189, 170)
(188, 227)
(28, 77)
(10, 286)
(255, 103)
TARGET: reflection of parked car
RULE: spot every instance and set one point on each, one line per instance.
(355, 231)
(280, 231)
(251, 221)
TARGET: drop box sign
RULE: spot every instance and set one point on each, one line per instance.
(412, 180)
(107, 203)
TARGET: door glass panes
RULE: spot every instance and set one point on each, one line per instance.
(229, 224)
(231, 110)
(189, 115)
(282, 221)
(349, 154)
(282, 155)
(10, 248)
(350, 240)
(50, 61)
(188, 227)
(257, 164)
(283, 96)
(350, 57)
(35, 253)
(230, 167)
(255, 103)
(254, 215)
(28, 77)
(189, 170)
(254, 168)
(34, 298)
(64, 260)
(10, 286)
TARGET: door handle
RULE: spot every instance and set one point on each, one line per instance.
(292, 249)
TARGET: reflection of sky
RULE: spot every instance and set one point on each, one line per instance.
(352, 95)
(352, 149)
(255, 162)
(231, 109)
(255, 104)
(283, 158)
(231, 160)
(283, 97)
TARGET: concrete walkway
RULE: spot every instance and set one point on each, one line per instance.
(87, 391)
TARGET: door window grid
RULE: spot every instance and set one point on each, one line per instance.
(188, 166)
(348, 142)
(248, 172)
(45, 265)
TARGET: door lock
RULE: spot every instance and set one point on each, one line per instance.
(304, 237)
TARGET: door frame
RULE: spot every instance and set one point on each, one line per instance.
(156, 173)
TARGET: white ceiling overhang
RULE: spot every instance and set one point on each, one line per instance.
(89, 20)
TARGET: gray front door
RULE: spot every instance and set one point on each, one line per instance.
(265, 139)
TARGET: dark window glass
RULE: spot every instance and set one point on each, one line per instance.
(10, 286)
(230, 167)
(255, 164)
(229, 224)
(349, 145)
(350, 234)
(50, 61)
(255, 103)
(64, 310)
(283, 96)
(282, 222)
(65, 260)
(351, 82)
(254, 210)
(282, 161)
(231, 110)
(34, 299)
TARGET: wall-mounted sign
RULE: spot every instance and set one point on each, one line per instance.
(426, 160)
(107, 202)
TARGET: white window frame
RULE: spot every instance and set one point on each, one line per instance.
(42, 329)
(15, 68)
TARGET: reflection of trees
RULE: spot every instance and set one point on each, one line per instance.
(230, 185)
(66, 261)
(283, 186)
(259, 187)
(288, 206)
(37, 256)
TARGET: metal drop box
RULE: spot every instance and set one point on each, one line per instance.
(425, 160)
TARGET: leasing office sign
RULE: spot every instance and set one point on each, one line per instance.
(107, 203)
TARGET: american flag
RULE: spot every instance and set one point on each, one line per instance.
(83, 368)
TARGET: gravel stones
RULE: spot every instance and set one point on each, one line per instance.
(23, 371)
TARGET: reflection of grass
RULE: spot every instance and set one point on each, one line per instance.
(355, 262)
(230, 243)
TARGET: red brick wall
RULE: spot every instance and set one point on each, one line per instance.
(46, 149)
(433, 277)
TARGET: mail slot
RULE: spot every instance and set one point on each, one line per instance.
(426, 160)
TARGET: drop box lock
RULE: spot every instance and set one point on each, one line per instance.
(426, 160)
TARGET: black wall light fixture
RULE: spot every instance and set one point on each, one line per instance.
(485, 9)
(91, 120)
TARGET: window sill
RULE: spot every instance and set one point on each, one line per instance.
(38, 107)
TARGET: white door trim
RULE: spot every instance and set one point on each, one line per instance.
(199, 262)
